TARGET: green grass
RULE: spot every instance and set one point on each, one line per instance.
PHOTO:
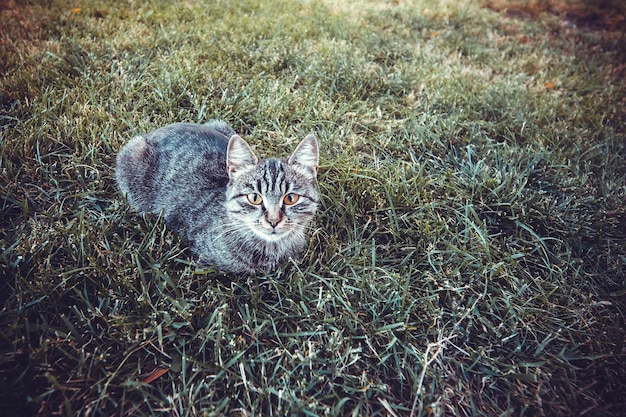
(468, 258)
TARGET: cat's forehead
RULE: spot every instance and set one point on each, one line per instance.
(271, 169)
(266, 169)
(273, 175)
(273, 165)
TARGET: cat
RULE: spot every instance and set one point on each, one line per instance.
(238, 212)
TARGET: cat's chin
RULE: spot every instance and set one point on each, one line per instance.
(271, 236)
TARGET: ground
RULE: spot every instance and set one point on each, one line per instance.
(468, 256)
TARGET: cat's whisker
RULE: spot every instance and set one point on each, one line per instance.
(228, 228)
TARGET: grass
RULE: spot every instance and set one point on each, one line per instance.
(469, 256)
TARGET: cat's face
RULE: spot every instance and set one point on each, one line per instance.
(273, 199)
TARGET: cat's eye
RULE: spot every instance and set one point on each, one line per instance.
(291, 198)
(255, 199)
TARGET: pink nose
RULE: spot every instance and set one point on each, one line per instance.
(273, 218)
(273, 222)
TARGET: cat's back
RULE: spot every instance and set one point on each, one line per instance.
(178, 157)
(190, 138)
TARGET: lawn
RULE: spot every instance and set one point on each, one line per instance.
(468, 257)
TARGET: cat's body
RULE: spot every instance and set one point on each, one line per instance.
(238, 212)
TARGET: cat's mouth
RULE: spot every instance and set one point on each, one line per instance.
(275, 234)
(272, 233)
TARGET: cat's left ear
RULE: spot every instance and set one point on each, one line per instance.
(306, 154)
(239, 155)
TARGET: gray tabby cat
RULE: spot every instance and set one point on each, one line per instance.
(237, 211)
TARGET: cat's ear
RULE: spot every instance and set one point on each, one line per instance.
(239, 155)
(306, 154)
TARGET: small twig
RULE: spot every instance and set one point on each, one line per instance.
(439, 345)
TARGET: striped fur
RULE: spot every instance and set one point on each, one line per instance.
(205, 178)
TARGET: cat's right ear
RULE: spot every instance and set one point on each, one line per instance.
(306, 154)
(239, 155)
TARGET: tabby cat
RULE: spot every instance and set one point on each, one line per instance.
(238, 212)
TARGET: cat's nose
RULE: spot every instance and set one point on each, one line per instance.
(273, 218)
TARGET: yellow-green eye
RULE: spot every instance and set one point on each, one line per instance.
(255, 199)
(291, 198)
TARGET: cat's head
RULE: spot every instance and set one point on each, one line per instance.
(273, 198)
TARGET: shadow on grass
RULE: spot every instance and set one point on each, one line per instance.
(586, 14)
